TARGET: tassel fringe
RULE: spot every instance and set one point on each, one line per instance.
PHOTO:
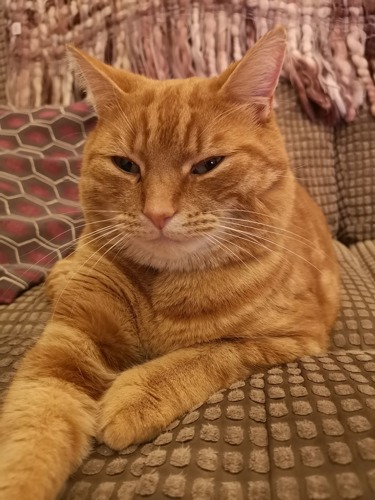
(330, 57)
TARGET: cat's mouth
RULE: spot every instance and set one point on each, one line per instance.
(164, 251)
(163, 239)
(170, 244)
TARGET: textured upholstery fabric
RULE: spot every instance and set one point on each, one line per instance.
(301, 431)
(311, 150)
(40, 218)
(356, 179)
(355, 326)
(330, 50)
(3, 54)
(365, 252)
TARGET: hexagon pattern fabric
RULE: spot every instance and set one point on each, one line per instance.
(40, 219)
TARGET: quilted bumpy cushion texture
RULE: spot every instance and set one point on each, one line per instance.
(311, 151)
(356, 179)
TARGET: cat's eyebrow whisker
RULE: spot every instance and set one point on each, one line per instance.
(251, 239)
(223, 115)
(122, 112)
(113, 123)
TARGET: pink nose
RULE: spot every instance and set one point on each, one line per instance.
(159, 218)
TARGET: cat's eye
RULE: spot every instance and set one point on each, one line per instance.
(126, 165)
(206, 165)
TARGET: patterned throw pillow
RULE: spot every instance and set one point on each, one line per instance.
(40, 218)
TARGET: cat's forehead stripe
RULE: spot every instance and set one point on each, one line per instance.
(167, 120)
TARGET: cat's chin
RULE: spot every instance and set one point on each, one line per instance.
(167, 254)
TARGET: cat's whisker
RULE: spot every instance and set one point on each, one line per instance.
(59, 247)
(279, 219)
(83, 265)
(92, 267)
(73, 229)
(100, 234)
(225, 233)
(107, 251)
(232, 243)
(251, 240)
(51, 255)
(97, 237)
(295, 177)
(217, 240)
(273, 230)
(95, 210)
(125, 240)
(57, 250)
(79, 210)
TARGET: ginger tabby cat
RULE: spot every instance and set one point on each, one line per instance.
(202, 261)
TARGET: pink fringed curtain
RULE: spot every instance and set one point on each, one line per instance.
(331, 44)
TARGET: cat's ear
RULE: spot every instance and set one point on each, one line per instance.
(254, 78)
(95, 78)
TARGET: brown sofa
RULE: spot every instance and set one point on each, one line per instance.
(301, 431)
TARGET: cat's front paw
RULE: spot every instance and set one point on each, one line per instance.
(131, 414)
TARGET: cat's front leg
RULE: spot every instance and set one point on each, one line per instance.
(50, 412)
(145, 399)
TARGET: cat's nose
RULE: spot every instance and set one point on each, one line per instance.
(159, 217)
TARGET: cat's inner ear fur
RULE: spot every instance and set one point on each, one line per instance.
(254, 78)
(97, 79)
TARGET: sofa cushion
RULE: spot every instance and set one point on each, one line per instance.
(39, 213)
(355, 145)
(355, 325)
(311, 151)
(365, 253)
(305, 430)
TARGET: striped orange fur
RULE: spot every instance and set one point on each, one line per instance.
(186, 277)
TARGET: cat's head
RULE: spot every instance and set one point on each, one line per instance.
(173, 168)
